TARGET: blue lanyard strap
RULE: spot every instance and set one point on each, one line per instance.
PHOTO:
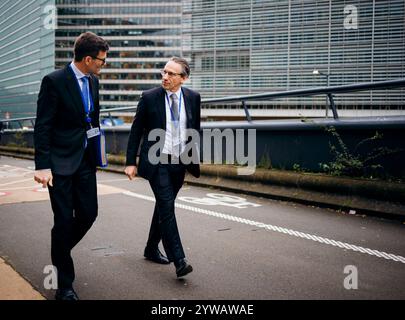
(170, 106)
(88, 107)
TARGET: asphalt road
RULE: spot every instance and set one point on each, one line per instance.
(241, 247)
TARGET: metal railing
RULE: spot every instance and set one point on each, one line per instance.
(328, 91)
(31, 120)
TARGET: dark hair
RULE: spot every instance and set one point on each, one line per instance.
(184, 64)
(89, 44)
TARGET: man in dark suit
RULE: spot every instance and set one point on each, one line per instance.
(66, 128)
(174, 109)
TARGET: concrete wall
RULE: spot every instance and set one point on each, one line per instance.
(291, 144)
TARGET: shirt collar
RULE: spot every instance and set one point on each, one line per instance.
(169, 93)
(76, 71)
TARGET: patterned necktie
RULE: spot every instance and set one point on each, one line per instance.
(175, 106)
(86, 94)
(175, 125)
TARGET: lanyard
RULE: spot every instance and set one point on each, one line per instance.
(171, 110)
(89, 106)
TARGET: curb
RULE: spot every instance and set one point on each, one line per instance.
(14, 286)
(362, 196)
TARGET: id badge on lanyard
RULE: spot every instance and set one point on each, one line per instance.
(92, 132)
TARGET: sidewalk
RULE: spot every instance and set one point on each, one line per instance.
(14, 287)
(362, 196)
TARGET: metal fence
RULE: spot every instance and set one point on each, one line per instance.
(330, 92)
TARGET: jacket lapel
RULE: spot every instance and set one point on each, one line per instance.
(73, 88)
(187, 106)
(93, 90)
(161, 106)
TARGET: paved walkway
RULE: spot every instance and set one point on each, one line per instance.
(241, 247)
(14, 287)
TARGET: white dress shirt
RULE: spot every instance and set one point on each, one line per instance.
(183, 122)
(79, 75)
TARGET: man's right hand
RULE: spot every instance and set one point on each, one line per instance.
(131, 171)
(44, 177)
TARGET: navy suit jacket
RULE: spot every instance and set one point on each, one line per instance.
(60, 126)
(151, 115)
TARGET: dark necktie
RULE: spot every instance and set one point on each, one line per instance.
(175, 125)
(175, 106)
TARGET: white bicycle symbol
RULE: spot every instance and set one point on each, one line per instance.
(215, 199)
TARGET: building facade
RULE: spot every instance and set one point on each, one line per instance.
(242, 47)
(27, 54)
(235, 48)
(142, 35)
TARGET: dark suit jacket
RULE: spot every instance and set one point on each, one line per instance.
(60, 126)
(151, 115)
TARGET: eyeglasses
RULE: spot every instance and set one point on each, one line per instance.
(102, 60)
(169, 73)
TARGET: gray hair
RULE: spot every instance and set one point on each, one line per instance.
(184, 64)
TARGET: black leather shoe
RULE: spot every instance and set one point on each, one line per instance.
(183, 268)
(155, 256)
(66, 295)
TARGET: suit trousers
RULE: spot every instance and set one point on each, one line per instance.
(75, 207)
(166, 183)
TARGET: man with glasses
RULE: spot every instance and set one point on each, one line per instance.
(65, 138)
(174, 109)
